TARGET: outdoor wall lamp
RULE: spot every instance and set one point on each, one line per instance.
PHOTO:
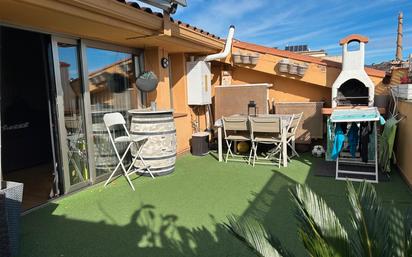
(251, 108)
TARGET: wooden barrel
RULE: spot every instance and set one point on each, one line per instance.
(159, 152)
(104, 155)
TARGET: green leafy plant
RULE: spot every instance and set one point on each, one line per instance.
(377, 231)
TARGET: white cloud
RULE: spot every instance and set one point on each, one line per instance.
(320, 24)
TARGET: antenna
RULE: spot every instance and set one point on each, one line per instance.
(169, 6)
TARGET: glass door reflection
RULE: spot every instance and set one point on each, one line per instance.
(111, 83)
(73, 132)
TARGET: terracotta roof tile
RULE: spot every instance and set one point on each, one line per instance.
(299, 57)
(353, 37)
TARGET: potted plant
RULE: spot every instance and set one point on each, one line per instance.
(404, 90)
(283, 65)
(254, 58)
(237, 57)
(302, 69)
(293, 68)
(12, 193)
(246, 58)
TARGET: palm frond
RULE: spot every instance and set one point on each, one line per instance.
(370, 222)
(251, 233)
(320, 229)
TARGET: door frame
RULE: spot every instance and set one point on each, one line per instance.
(59, 101)
(50, 91)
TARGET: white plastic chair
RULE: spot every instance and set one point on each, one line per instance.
(116, 119)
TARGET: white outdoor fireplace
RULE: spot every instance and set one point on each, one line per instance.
(353, 87)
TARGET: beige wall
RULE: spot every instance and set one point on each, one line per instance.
(403, 145)
(152, 57)
(284, 89)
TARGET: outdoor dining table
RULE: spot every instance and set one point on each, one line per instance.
(285, 122)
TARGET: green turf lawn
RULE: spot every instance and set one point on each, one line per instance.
(181, 214)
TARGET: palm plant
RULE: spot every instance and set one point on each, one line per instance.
(378, 232)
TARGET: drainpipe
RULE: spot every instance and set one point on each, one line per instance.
(221, 55)
(228, 47)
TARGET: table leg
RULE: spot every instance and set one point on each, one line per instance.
(219, 143)
(284, 147)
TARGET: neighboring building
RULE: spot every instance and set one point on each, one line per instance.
(304, 49)
(334, 58)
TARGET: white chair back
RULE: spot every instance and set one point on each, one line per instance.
(294, 123)
(271, 125)
(115, 119)
(112, 119)
(234, 124)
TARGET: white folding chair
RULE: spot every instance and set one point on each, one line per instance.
(291, 133)
(116, 119)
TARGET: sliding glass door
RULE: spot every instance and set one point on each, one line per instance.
(71, 115)
(92, 79)
(111, 80)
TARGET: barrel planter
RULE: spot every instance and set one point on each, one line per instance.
(159, 151)
(104, 155)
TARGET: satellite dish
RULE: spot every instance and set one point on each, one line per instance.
(169, 6)
(147, 82)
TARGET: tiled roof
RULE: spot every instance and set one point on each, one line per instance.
(160, 15)
(299, 57)
(353, 37)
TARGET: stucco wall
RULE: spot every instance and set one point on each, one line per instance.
(404, 141)
(173, 93)
(284, 89)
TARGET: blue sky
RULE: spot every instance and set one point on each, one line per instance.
(318, 23)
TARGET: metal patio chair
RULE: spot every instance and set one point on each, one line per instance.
(291, 133)
(266, 130)
(235, 129)
(112, 120)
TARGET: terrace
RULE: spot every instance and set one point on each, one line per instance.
(182, 214)
(180, 89)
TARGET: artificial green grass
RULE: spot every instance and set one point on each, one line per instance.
(181, 214)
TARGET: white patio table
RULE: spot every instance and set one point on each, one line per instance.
(285, 122)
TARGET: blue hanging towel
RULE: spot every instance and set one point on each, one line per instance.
(338, 141)
(353, 138)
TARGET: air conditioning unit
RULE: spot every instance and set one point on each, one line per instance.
(198, 83)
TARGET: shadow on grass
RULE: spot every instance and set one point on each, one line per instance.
(148, 233)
